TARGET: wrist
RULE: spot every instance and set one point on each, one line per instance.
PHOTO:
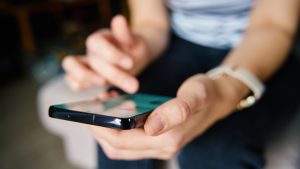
(156, 39)
(247, 78)
(231, 89)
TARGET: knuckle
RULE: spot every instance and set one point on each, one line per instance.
(93, 60)
(115, 53)
(110, 55)
(202, 97)
(96, 38)
(67, 62)
(82, 76)
(112, 73)
(117, 76)
(98, 42)
(184, 108)
(202, 89)
(90, 40)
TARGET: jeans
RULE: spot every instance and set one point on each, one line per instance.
(238, 141)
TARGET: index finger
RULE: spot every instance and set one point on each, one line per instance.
(114, 75)
(102, 44)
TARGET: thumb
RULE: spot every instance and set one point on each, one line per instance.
(121, 30)
(167, 116)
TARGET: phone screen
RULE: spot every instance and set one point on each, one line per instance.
(123, 106)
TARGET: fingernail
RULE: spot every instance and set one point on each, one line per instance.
(155, 125)
(129, 86)
(126, 63)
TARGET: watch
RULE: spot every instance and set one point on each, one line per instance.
(251, 81)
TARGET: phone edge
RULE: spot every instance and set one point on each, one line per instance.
(93, 119)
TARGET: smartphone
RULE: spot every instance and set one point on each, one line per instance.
(123, 112)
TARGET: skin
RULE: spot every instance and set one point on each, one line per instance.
(116, 55)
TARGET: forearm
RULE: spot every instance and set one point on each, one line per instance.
(266, 43)
(156, 38)
(262, 51)
(268, 38)
(150, 20)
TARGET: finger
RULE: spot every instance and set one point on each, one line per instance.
(124, 139)
(127, 154)
(102, 44)
(103, 96)
(121, 31)
(76, 85)
(114, 76)
(107, 95)
(114, 93)
(167, 116)
(73, 84)
(77, 68)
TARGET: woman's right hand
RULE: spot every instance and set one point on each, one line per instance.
(114, 56)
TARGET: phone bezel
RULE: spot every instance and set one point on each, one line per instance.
(59, 111)
(97, 119)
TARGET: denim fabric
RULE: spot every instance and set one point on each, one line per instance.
(236, 142)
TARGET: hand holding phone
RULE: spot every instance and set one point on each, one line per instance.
(123, 112)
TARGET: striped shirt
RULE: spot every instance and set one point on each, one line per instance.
(213, 23)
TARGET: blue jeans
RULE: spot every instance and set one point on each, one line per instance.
(237, 142)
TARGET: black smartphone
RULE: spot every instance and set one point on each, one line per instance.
(123, 112)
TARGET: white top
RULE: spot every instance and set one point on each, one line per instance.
(213, 23)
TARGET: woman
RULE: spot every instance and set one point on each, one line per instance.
(168, 54)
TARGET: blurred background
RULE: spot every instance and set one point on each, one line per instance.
(35, 35)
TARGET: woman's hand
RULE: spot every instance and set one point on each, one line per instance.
(200, 102)
(114, 56)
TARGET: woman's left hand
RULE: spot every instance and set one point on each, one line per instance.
(200, 102)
